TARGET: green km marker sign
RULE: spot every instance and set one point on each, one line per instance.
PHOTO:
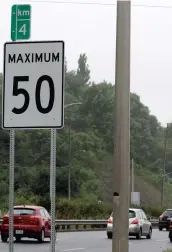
(20, 22)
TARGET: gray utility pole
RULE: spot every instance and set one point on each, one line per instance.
(122, 129)
(164, 166)
(70, 147)
(69, 167)
(132, 175)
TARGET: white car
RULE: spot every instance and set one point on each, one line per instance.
(139, 225)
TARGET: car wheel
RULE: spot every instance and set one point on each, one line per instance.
(18, 239)
(109, 235)
(4, 238)
(41, 236)
(139, 235)
(150, 234)
(170, 239)
(160, 228)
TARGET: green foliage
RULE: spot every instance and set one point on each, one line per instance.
(85, 145)
(153, 211)
(80, 208)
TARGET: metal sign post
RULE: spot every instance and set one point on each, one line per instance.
(11, 189)
(53, 188)
(33, 105)
(18, 31)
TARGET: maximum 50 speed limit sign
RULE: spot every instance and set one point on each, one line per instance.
(33, 84)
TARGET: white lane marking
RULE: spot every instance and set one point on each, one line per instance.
(72, 249)
(162, 240)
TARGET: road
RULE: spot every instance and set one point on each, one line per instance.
(92, 242)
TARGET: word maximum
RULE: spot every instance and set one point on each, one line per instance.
(33, 58)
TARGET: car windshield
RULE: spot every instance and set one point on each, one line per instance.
(23, 211)
(132, 214)
(167, 212)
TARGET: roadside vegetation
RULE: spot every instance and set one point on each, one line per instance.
(89, 130)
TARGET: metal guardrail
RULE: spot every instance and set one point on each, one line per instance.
(71, 225)
(67, 225)
(81, 225)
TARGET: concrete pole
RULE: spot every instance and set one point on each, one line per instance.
(132, 175)
(132, 180)
(70, 163)
(122, 129)
(164, 166)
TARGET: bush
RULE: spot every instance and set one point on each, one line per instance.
(153, 211)
(77, 208)
(82, 209)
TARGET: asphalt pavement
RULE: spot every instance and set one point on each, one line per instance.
(95, 241)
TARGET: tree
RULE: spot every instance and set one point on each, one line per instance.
(83, 69)
(96, 112)
(89, 130)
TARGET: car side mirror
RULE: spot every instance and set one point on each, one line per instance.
(149, 218)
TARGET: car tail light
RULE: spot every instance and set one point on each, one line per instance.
(34, 221)
(136, 221)
(5, 220)
(109, 220)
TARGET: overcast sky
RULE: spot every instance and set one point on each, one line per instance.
(91, 29)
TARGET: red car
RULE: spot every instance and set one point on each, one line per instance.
(29, 221)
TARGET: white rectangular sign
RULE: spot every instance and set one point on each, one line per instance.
(33, 84)
(135, 198)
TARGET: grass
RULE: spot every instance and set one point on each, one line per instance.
(149, 186)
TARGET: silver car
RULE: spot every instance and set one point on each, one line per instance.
(139, 224)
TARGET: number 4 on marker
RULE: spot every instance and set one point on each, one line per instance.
(23, 29)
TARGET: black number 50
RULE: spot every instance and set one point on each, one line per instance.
(17, 91)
